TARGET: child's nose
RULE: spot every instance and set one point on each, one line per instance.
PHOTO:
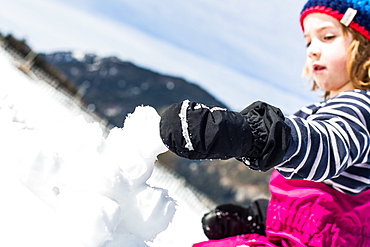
(313, 51)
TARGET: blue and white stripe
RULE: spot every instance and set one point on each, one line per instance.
(330, 143)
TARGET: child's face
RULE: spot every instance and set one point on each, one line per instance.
(327, 53)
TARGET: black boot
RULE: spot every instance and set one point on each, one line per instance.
(230, 220)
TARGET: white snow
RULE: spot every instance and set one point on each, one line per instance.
(65, 182)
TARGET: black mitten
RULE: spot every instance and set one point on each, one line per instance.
(257, 136)
(231, 220)
(196, 131)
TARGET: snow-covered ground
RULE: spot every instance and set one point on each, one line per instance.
(65, 182)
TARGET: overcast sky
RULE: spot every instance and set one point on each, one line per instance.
(238, 50)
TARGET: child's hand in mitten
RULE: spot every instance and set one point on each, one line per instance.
(257, 136)
(197, 131)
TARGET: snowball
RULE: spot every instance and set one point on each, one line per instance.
(143, 126)
(135, 146)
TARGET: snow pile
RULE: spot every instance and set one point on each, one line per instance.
(63, 183)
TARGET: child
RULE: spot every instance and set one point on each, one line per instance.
(320, 187)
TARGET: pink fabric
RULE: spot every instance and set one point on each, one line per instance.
(305, 213)
(250, 240)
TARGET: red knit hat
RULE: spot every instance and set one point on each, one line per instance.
(352, 13)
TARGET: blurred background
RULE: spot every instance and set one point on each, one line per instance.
(118, 54)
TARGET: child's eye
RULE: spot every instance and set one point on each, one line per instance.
(329, 37)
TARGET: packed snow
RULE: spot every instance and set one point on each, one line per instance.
(66, 181)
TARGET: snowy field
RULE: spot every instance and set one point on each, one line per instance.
(64, 182)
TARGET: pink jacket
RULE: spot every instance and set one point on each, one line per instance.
(305, 213)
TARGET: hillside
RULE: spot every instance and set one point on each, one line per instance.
(113, 88)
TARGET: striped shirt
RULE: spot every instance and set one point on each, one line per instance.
(330, 143)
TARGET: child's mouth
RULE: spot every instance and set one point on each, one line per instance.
(317, 68)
